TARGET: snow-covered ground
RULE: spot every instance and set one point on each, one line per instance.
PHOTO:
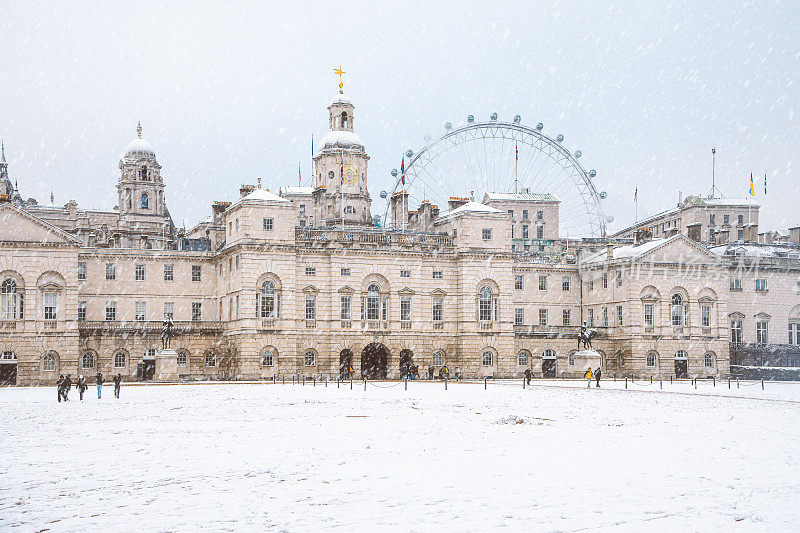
(283, 457)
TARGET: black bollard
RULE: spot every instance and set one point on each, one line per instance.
(737, 383)
(523, 383)
(351, 383)
(670, 380)
(729, 382)
(626, 383)
(762, 383)
(445, 383)
(406, 384)
(337, 383)
(315, 381)
(484, 382)
(714, 378)
(304, 381)
(695, 383)
(651, 378)
(660, 384)
(365, 384)
(326, 383)
(292, 379)
(283, 379)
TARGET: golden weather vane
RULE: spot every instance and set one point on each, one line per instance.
(339, 71)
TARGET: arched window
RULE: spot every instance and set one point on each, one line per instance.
(268, 301)
(677, 310)
(183, 358)
(145, 201)
(438, 358)
(87, 360)
(373, 302)
(311, 358)
(571, 358)
(268, 357)
(651, 359)
(144, 173)
(49, 362)
(485, 304)
(523, 357)
(344, 119)
(8, 300)
(119, 360)
(709, 360)
(488, 357)
(549, 354)
(349, 209)
(681, 354)
(211, 359)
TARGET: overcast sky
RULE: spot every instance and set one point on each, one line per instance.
(232, 91)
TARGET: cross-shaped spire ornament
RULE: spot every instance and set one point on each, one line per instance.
(339, 71)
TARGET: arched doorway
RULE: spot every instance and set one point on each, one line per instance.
(549, 364)
(406, 360)
(345, 364)
(8, 368)
(374, 361)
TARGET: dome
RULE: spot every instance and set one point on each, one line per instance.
(341, 139)
(139, 147)
(341, 99)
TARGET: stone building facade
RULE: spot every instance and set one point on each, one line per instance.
(276, 285)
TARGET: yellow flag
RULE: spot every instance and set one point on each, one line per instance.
(752, 189)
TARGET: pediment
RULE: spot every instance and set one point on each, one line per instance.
(310, 289)
(347, 289)
(762, 316)
(405, 291)
(19, 225)
(706, 300)
(736, 314)
(51, 286)
(678, 249)
(438, 292)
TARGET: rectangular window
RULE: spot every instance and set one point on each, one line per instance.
(605, 280)
(736, 331)
(511, 213)
(81, 311)
(736, 284)
(405, 309)
(590, 313)
(619, 278)
(539, 215)
(139, 311)
(619, 315)
(81, 271)
(761, 332)
(524, 231)
(542, 283)
(237, 306)
(542, 317)
(50, 305)
(565, 283)
(267, 224)
(405, 273)
(524, 214)
(169, 272)
(438, 310)
(741, 219)
(197, 311)
(519, 316)
(345, 272)
(761, 285)
(540, 232)
(139, 272)
(111, 311)
(605, 317)
(566, 317)
(739, 234)
(591, 284)
(169, 310)
(302, 210)
(311, 307)
(311, 271)
(726, 219)
(486, 234)
(196, 273)
(705, 316)
(344, 308)
(518, 283)
(437, 274)
(648, 314)
(303, 223)
(794, 333)
(711, 219)
(111, 271)
(181, 358)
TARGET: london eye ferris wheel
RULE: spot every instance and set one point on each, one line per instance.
(504, 157)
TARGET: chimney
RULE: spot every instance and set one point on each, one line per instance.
(398, 205)
(456, 202)
(794, 235)
(217, 210)
(643, 235)
(244, 190)
(751, 232)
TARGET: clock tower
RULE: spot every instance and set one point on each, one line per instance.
(340, 171)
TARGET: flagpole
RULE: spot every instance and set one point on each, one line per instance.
(516, 162)
(341, 188)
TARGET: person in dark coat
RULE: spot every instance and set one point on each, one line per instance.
(117, 384)
(67, 387)
(430, 372)
(597, 374)
(99, 380)
(60, 387)
(528, 375)
(82, 386)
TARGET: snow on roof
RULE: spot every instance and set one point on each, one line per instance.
(341, 99)
(138, 146)
(752, 249)
(261, 195)
(521, 196)
(628, 251)
(296, 190)
(728, 202)
(341, 139)
(472, 207)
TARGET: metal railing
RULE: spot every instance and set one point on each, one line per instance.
(149, 326)
(373, 236)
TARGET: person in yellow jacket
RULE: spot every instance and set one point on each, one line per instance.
(588, 377)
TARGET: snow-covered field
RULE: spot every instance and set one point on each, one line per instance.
(294, 458)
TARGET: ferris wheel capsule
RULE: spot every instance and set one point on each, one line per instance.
(610, 219)
(539, 126)
(470, 119)
(493, 117)
(409, 153)
(384, 194)
(603, 195)
(559, 137)
(448, 126)
(578, 154)
(592, 173)
(394, 173)
(517, 119)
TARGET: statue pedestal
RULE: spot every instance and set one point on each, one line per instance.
(587, 358)
(166, 365)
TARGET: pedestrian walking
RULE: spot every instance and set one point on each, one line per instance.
(117, 384)
(597, 374)
(67, 387)
(528, 374)
(588, 376)
(430, 372)
(82, 386)
(99, 380)
(60, 387)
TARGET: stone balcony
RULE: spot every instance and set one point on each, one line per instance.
(370, 238)
(148, 326)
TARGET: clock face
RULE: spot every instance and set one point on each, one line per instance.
(350, 175)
